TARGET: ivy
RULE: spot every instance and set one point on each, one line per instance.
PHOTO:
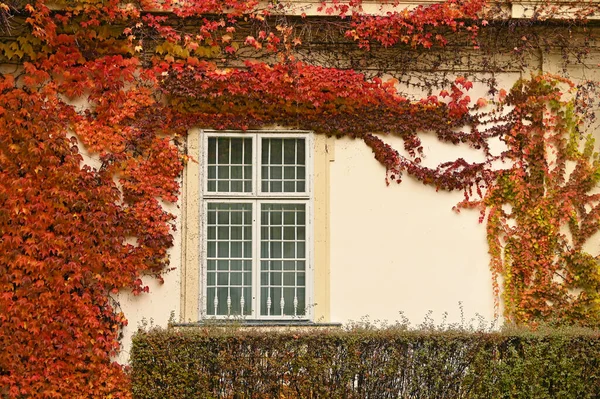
(543, 208)
(72, 235)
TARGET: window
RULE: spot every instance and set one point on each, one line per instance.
(256, 207)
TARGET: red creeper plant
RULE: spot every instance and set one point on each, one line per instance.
(544, 207)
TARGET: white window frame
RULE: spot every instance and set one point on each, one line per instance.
(257, 198)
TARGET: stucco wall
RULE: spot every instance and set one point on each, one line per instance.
(402, 248)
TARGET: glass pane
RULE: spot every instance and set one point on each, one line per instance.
(289, 233)
(275, 250)
(276, 152)
(210, 294)
(236, 249)
(223, 233)
(265, 151)
(289, 279)
(236, 172)
(288, 296)
(276, 172)
(212, 150)
(211, 265)
(235, 265)
(301, 295)
(222, 297)
(236, 232)
(275, 278)
(222, 249)
(222, 265)
(236, 297)
(289, 187)
(301, 250)
(289, 265)
(289, 250)
(248, 151)
(264, 297)
(236, 151)
(275, 293)
(275, 233)
(275, 187)
(223, 172)
(289, 172)
(247, 297)
(301, 156)
(236, 279)
(223, 186)
(236, 186)
(223, 150)
(212, 249)
(289, 151)
(222, 278)
(264, 279)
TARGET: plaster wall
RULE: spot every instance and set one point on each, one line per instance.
(401, 247)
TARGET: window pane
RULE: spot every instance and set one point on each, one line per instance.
(283, 159)
(289, 152)
(236, 186)
(211, 233)
(229, 164)
(212, 151)
(237, 149)
(223, 145)
(282, 277)
(236, 172)
(212, 186)
(228, 288)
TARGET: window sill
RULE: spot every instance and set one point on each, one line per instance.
(258, 323)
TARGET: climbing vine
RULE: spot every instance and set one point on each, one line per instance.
(544, 207)
(125, 81)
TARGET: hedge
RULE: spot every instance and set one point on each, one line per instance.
(390, 363)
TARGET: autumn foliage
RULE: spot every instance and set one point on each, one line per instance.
(125, 81)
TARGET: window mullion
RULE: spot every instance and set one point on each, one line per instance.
(256, 259)
(256, 159)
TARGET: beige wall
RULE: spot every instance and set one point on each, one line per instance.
(401, 248)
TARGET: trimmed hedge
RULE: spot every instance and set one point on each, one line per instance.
(378, 364)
